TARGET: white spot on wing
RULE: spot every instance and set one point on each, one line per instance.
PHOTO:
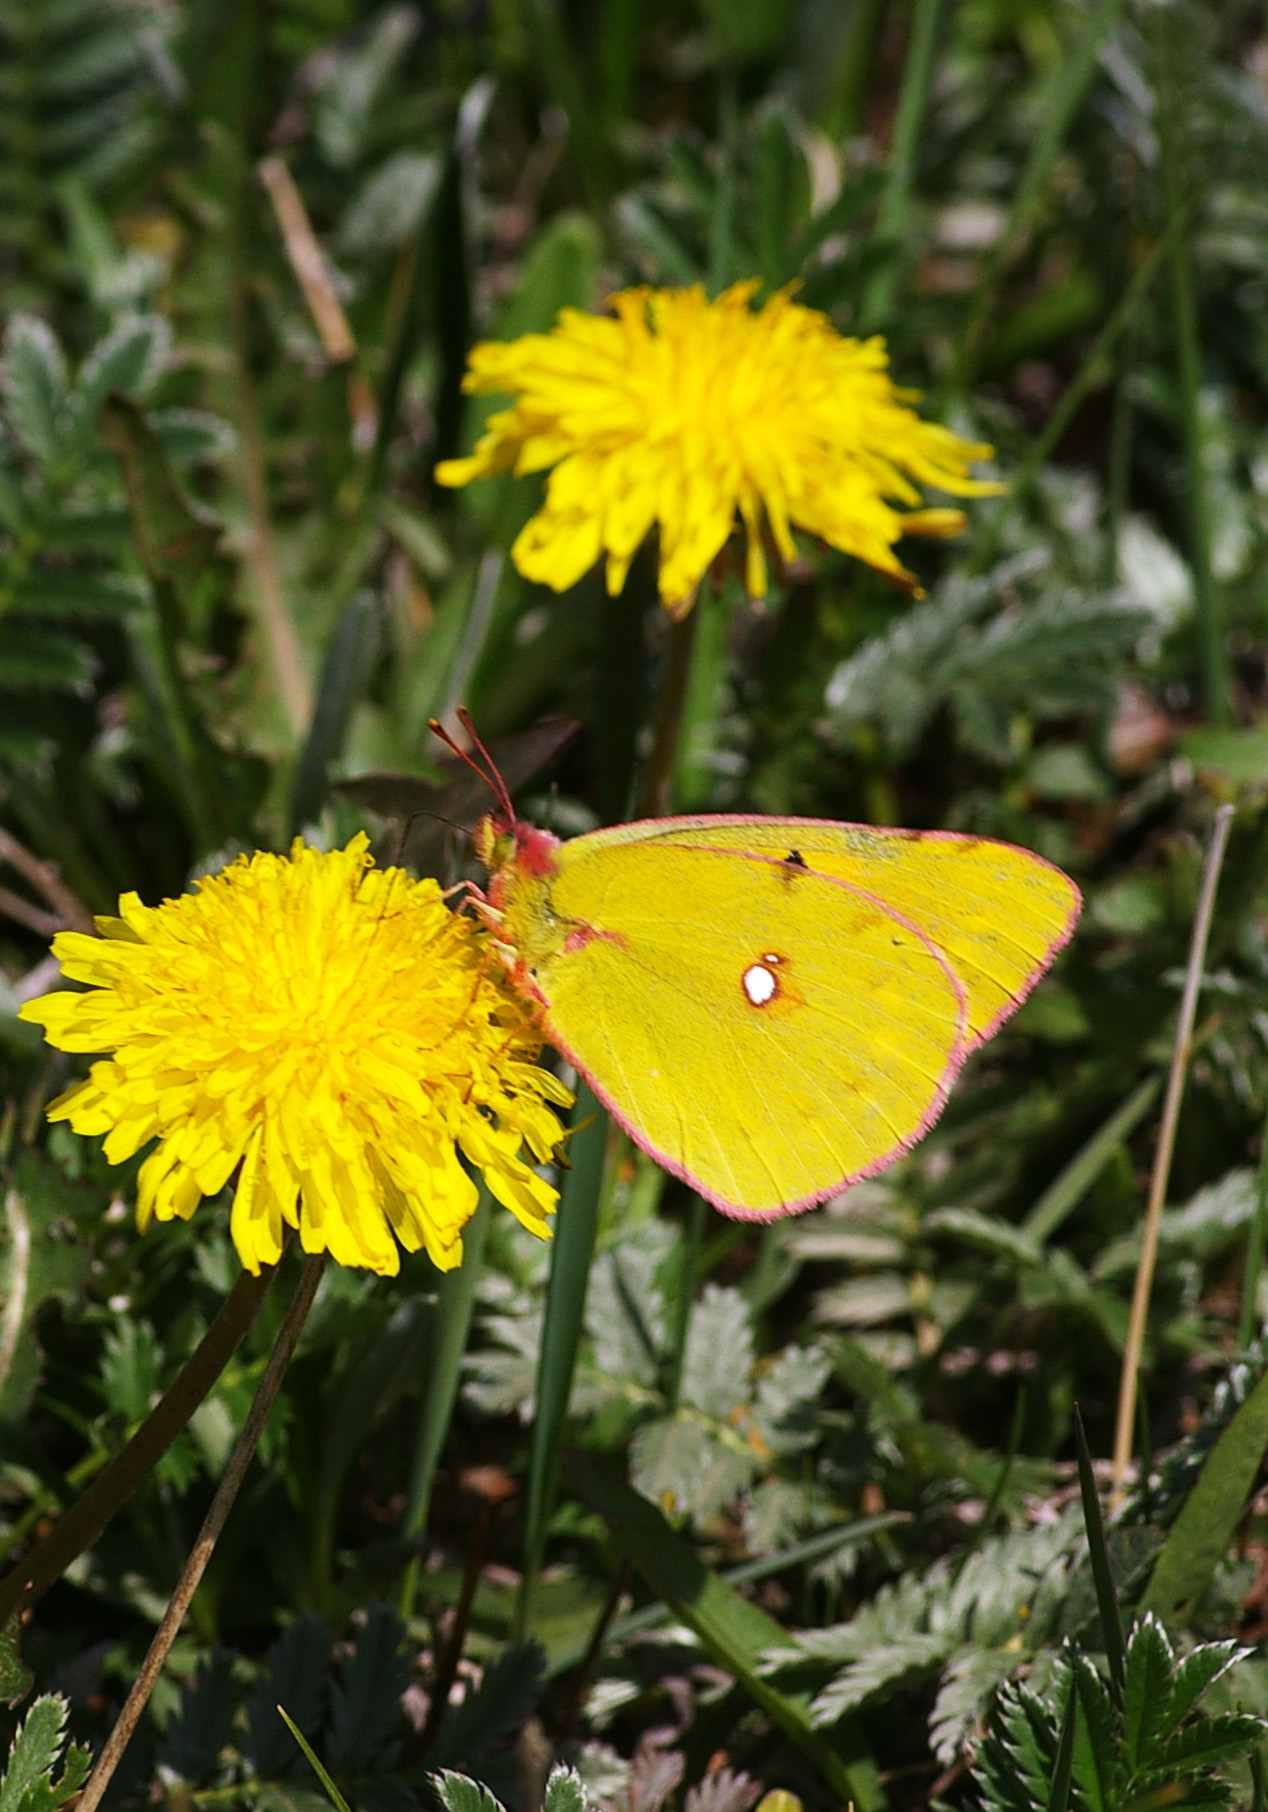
(760, 986)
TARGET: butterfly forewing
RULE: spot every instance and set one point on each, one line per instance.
(998, 914)
(766, 1031)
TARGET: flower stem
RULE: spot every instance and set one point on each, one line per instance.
(1162, 1156)
(201, 1553)
(276, 628)
(656, 782)
(447, 1343)
(85, 1520)
(1184, 310)
(892, 214)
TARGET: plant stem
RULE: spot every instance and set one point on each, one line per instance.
(201, 1553)
(656, 782)
(693, 1240)
(571, 1255)
(1184, 312)
(1062, 94)
(447, 1342)
(1162, 1156)
(276, 628)
(892, 213)
(85, 1520)
(1255, 1250)
(1084, 380)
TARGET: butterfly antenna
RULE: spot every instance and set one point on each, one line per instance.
(494, 773)
(488, 772)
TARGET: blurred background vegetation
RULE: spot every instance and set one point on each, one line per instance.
(245, 246)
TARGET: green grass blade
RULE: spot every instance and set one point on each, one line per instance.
(1098, 1555)
(1212, 1510)
(1255, 1249)
(1184, 311)
(1066, 1191)
(447, 1344)
(572, 1252)
(891, 216)
(734, 1631)
(1063, 93)
(800, 1554)
(343, 675)
(336, 1798)
(1090, 373)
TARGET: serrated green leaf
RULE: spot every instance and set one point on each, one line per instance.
(296, 1675)
(1198, 1670)
(15, 1676)
(564, 1791)
(685, 1467)
(719, 1353)
(625, 1303)
(495, 1710)
(36, 1749)
(998, 1239)
(458, 1793)
(885, 1669)
(62, 594)
(175, 542)
(1095, 1766)
(34, 659)
(1207, 1743)
(199, 1728)
(1146, 1692)
(33, 378)
(365, 1703)
(127, 361)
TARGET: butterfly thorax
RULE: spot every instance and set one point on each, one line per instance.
(522, 864)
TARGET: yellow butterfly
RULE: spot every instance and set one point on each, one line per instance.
(773, 1008)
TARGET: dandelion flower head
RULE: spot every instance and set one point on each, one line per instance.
(332, 1028)
(681, 413)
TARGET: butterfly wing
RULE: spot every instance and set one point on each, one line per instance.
(767, 1033)
(997, 913)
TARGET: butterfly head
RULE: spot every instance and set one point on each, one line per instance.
(513, 851)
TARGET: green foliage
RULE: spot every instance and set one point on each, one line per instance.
(39, 1748)
(1155, 1747)
(847, 1554)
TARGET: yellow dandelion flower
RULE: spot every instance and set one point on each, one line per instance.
(679, 413)
(332, 1028)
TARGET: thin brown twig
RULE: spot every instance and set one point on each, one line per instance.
(201, 1553)
(313, 276)
(71, 913)
(23, 912)
(306, 260)
(1162, 1156)
(80, 1526)
(276, 626)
